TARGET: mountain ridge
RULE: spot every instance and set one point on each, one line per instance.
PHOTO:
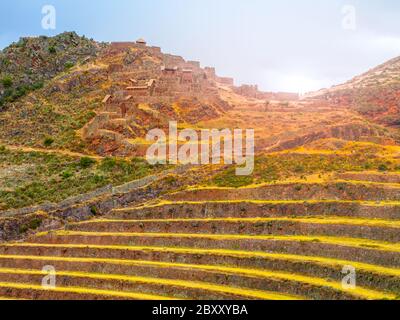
(374, 94)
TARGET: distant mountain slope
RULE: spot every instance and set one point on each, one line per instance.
(374, 94)
(26, 64)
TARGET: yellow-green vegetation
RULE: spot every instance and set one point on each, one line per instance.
(55, 112)
(336, 263)
(322, 261)
(81, 290)
(29, 178)
(272, 202)
(16, 70)
(299, 164)
(254, 294)
(340, 241)
(50, 123)
(377, 269)
(312, 220)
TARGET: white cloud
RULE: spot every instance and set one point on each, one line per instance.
(387, 44)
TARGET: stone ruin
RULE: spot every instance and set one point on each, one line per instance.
(146, 87)
(252, 91)
(143, 76)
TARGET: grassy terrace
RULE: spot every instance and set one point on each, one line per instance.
(80, 290)
(313, 220)
(324, 261)
(29, 178)
(311, 280)
(298, 164)
(167, 202)
(341, 241)
(255, 294)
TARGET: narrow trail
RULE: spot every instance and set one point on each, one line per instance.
(51, 151)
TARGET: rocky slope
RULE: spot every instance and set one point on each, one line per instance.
(374, 94)
(26, 64)
(72, 109)
(324, 193)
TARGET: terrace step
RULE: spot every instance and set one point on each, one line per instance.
(369, 251)
(370, 176)
(8, 298)
(327, 286)
(339, 190)
(153, 287)
(231, 249)
(19, 290)
(384, 230)
(260, 209)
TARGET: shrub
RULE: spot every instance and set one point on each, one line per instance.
(66, 174)
(20, 92)
(48, 141)
(32, 225)
(383, 167)
(37, 85)
(298, 187)
(52, 50)
(86, 162)
(68, 65)
(108, 164)
(341, 186)
(6, 82)
(2, 148)
(35, 223)
(93, 210)
(5, 62)
(10, 95)
(23, 229)
(170, 180)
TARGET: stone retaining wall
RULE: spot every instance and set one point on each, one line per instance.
(17, 223)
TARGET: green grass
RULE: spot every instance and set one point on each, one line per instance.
(275, 167)
(51, 177)
(48, 142)
(13, 94)
(68, 65)
(7, 82)
(229, 178)
(86, 162)
(58, 119)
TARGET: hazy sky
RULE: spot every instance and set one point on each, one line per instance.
(288, 45)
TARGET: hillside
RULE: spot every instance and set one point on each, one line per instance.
(107, 102)
(28, 63)
(72, 100)
(374, 94)
(77, 194)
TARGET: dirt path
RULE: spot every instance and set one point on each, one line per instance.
(51, 151)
